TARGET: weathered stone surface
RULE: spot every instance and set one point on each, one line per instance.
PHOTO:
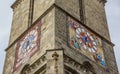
(47, 35)
(60, 28)
(55, 62)
(54, 37)
(20, 20)
(95, 17)
(110, 58)
(70, 6)
(9, 60)
(40, 6)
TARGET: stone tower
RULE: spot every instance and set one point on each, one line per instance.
(59, 37)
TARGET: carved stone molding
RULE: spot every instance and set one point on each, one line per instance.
(55, 58)
(77, 67)
(16, 3)
(32, 68)
(72, 63)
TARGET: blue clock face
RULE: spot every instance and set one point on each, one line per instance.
(28, 42)
(28, 45)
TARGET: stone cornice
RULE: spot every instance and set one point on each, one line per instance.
(16, 3)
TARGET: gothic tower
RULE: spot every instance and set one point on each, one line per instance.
(59, 37)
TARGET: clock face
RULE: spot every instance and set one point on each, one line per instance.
(29, 42)
(85, 41)
(28, 45)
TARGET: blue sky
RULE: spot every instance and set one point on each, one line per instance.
(113, 16)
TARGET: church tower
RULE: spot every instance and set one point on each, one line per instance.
(59, 37)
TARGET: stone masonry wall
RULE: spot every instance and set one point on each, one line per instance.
(95, 17)
(40, 6)
(110, 58)
(54, 32)
(70, 6)
(60, 28)
(47, 36)
(9, 60)
(80, 58)
(20, 20)
(47, 42)
(61, 40)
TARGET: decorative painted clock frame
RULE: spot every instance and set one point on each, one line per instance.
(27, 45)
(85, 41)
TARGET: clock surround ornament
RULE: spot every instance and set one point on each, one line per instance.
(85, 41)
(27, 45)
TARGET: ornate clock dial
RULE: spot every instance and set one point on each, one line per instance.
(85, 41)
(27, 45)
(84, 38)
(29, 41)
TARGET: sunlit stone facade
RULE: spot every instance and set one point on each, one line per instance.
(59, 37)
